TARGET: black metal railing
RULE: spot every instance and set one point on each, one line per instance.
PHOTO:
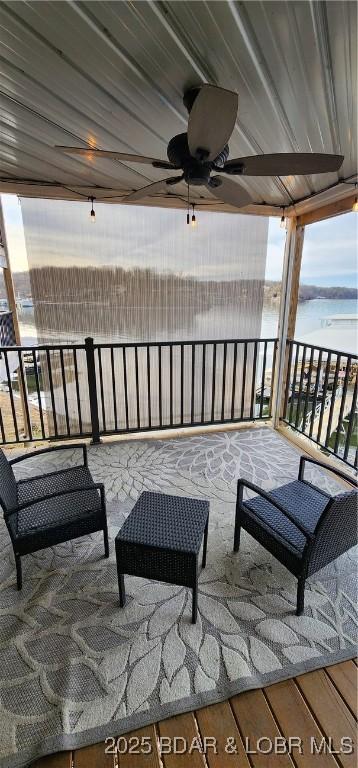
(181, 384)
(321, 398)
(65, 391)
(44, 393)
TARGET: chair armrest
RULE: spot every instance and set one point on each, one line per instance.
(252, 487)
(50, 449)
(322, 464)
(48, 496)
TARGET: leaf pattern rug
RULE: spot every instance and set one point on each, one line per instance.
(75, 667)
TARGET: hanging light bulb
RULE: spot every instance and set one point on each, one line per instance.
(283, 221)
(355, 204)
(193, 218)
(92, 212)
(187, 213)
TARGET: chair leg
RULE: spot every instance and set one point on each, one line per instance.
(237, 518)
(122, 590)
(18, 571)
(300, 596)
(105, 525)
(105, 539)
(237, 528)
(195, 577)
(194, 609)
(205, 544)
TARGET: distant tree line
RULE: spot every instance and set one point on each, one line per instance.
(88, 282)
(307, 292)
(131, 287)
(134, 303)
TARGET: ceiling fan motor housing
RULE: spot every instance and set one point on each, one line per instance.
(196, 169)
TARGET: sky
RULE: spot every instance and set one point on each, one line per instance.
(329, 255)
(330, 252)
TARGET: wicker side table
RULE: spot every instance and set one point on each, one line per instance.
(161, 539)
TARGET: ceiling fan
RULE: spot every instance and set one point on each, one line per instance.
(203, 150)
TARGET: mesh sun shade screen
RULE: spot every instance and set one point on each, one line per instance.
(140, 274)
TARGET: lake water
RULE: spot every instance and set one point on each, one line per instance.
(224, 322)
(311, 314)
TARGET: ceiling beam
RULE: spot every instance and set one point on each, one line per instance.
(329, 203)
(41, 190)
(335, 208)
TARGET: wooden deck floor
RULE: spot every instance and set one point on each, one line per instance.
(317, 705)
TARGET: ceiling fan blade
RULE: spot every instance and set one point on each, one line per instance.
(229, 191)
(90, 154)
(211, 120)
(151, 189)
(284, 164)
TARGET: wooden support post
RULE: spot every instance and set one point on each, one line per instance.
(288, 310)
(11, 300)
(9, 285)
(295, 281)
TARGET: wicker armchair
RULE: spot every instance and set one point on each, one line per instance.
(50, 509)
(301, 525)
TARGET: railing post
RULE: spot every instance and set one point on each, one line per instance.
(92, 389)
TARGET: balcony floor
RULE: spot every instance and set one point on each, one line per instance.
(318, 705)
(246, 603)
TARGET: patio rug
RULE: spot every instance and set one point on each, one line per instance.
(75, 668)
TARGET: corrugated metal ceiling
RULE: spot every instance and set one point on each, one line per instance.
(113, 74)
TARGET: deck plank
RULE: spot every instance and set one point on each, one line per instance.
(59, 760)
(255, 721)
(344, 676)
(316, 704)
(184, 726)
(295, 720)
(218, 721)
(93, 757)
(329, 710)
(141, 760)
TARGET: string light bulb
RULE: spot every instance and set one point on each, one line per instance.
(188, 208)
(283, 220)
(193, 218)
(355, 204)
(92, 212)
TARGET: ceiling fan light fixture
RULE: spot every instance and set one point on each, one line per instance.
(193, 217)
